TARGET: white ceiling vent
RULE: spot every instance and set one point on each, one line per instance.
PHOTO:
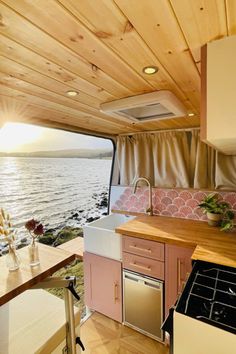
(147, 107)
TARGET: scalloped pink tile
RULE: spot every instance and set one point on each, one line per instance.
(231, 198)
(138, 205)
(128, 192)
(185, 195)
(123, 197)
(185, 210)
(160, 193)
(128, 204)
(199, 196)
(133, 198)
(193, 216)
(179, 215)
(166, 201)
(192, 203)
(198, 212)
(143, 199)
(166, 213)
(172, 194)
(178, 202)
(160, 207)
(119, 203)
(172, 208)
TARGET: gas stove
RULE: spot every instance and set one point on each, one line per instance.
(210, 296)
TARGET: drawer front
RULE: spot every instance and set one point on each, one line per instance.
(143, 265)
(141, 247)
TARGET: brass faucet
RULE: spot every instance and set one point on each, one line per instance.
(149, 210)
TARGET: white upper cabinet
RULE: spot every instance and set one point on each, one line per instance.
(218, 95)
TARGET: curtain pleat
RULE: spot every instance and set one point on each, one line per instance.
(170, 159)
(202, 163)
(126, 161)
(175, 159)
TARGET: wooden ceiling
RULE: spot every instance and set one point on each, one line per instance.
(99, 48)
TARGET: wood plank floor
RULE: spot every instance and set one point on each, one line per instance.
(102, 335)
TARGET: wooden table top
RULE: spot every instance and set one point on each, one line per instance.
(13, 283)
(212, 245)
(75, 246)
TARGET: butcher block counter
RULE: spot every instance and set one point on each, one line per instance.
(211, 244)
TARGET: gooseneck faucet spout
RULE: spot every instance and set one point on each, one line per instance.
(149, 210)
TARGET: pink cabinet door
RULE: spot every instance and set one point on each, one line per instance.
(177, 267)
(103, 289)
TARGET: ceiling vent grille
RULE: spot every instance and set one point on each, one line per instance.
(152, 106)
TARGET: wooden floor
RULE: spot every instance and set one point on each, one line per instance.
(102, 335)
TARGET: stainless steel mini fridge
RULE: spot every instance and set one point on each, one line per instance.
(143, 304)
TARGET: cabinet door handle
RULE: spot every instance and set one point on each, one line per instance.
(141, 249)
(134, 264)
(179, 274)
(116, 296)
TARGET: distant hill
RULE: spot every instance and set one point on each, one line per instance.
(79, 153)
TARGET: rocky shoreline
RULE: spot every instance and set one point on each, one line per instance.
(57, 236)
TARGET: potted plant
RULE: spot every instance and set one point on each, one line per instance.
(218, 212)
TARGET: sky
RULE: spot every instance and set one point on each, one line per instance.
(16, 137)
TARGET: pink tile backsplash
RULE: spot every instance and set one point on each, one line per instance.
(168, 202)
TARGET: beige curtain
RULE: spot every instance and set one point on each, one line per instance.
(174, 159)
(126, 161)
(170, 159)
(161, 157)
(210, 168)
(202, 163)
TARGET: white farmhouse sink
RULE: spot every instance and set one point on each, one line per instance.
(100, 237)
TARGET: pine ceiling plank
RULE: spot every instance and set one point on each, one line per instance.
(155, 21)
(23, 32)
(110, 25)
(17, 109)
(52, 18)
(32, 60)
(42, 81)
(231, 16)
(201, 21)
(12, 89)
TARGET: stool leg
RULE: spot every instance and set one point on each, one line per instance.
(70, 323)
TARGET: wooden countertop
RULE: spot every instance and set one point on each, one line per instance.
(14, 283)
(212, 245)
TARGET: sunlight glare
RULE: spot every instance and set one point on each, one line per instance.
(14, 135)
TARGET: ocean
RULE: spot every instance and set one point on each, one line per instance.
(53, 190)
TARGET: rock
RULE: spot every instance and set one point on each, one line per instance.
(66, 234)
(81, 211)
(49, 231)
(75, 215)
(92, 218)
(48, 238)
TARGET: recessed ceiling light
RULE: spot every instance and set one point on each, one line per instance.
(150, 70)
(191, 114)
(72, 93)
